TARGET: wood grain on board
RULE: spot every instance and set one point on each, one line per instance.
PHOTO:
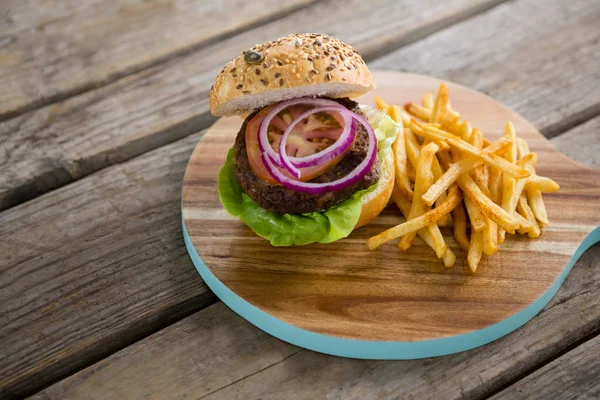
(215, 354)
(69, 139)
(92, 267)
(54, 49)
(575, 375)
(387, 294)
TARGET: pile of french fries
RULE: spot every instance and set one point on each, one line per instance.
(448, 174)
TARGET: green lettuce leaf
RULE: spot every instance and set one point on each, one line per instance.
(299, 229)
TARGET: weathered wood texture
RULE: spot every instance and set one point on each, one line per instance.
(52, 49)
(539, 60)
(582, 143)
(51, 348)
(345, 290)
(575, 375)
(62, 142)
(215, 354)
(92, 267)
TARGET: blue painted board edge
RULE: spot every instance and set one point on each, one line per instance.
(378, 350)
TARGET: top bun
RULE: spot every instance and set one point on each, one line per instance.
(294, 66)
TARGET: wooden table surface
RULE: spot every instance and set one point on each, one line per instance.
(101, 104)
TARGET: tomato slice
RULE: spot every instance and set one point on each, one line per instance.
(314, 134)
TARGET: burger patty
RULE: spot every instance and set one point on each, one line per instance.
(280, 199)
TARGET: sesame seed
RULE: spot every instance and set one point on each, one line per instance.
(257, 71)
(331, 67)
(314, 71)
(246, 91)
(309, 59)
(264, 82)
(342, 57)
(238, 87)
(265, 65)
(277, 75)
(232, 70)
(281, 82)
(279, 63)
(234, 75)
(328, 76)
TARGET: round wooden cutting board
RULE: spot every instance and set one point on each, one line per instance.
(345, 300)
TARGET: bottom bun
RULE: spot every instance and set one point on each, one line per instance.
(374, 202)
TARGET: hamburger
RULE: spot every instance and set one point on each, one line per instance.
(309, 164)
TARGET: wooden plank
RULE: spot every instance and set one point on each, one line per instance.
(226, 359)
(52, 50)
(92, 267)
(57, 144)
(543, 70)
(582, 143)
(575, 374)
(40, 346)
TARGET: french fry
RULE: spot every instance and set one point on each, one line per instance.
(455, 170)
(424, 179)
(477, 142)
(449, 258)
(440, 105)
(477, 220)
(398, 115)
(522, 148)
(524, 209)
(534, 197)
(418, 111)
(527, 162)
(495, 185)
(453, 198)
(508, 181)
(475, 250)
(461, 174)
(490, 238)
(466, 130)
(411, 172)
(433, 133)
(380, 103)
(448, 178)
(541, 183)
(487, 207)
(412, 148)
(401, 165)
(460, 226)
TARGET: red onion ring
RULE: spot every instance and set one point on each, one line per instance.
(341, 145)
(263, 138)
(355, 176)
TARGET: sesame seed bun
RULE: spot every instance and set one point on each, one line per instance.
(374, 202)
(293, 66)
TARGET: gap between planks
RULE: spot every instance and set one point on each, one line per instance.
(573, 346)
